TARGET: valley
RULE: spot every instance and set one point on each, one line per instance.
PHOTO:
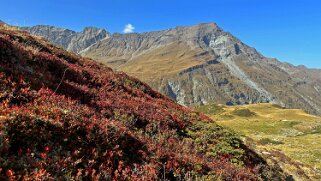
(289, 137)
(203, 90)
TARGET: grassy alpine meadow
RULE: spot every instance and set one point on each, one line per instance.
(290, 137)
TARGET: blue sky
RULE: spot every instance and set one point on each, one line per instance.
(289, 30)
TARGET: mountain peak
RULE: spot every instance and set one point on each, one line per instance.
(210, 24)
(69, 39)
(92, 28)
(201, 27)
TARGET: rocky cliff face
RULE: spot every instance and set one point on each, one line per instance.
(202, 63)
(68, 39)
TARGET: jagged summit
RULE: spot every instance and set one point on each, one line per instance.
(94, 29)
(200, 26)
(69, 39)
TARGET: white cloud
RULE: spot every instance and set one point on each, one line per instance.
(129, 28)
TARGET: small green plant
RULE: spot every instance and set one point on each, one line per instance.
(243, 112)
(268, 141)
(216, 141)
(211, 109)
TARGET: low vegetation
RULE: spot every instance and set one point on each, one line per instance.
(267, 141)
(211, 109)
(243, 112)
(287, 137)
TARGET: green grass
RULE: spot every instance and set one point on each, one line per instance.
(270, 127)
(243, 112)
(211, 109)
(267, 141)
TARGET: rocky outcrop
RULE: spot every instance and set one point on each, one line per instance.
(68, 39)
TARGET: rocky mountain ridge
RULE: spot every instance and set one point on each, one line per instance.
(68, 39)
(202, 63)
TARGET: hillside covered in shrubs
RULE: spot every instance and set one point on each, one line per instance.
(68, 118)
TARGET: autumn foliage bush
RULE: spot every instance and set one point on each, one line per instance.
(66, 117)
